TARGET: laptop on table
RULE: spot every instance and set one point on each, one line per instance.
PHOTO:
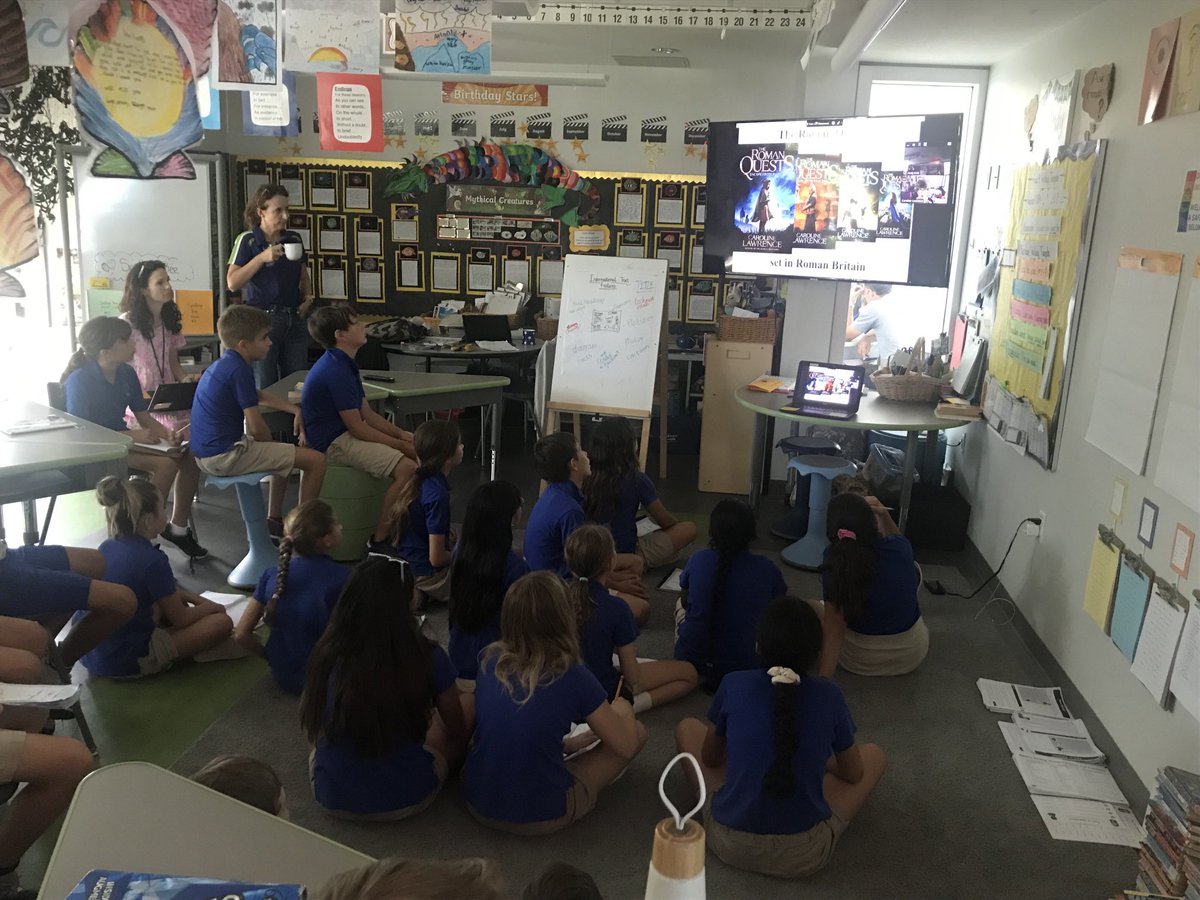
(827, 390)
(482, 327)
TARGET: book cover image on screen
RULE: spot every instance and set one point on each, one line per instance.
(846, 199)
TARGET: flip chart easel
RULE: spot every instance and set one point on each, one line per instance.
(609, 349)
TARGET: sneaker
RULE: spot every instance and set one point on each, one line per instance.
(382, 548)
(186, 542)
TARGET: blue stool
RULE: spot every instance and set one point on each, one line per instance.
(809, 551)
(794, 524)
(261, 553)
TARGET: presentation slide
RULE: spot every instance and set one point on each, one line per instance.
(866, 199)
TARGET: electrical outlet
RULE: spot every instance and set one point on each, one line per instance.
(1034, 529)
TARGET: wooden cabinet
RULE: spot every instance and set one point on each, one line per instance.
(727, 429)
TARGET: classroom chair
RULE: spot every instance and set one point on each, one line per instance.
(260, 553)
(75, 711)
(356, 499)
(809, 551)
(794, 525)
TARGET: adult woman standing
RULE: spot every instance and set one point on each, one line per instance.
(268, 279)
(148, 304)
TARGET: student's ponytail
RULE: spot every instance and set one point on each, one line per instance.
(731, 528)
(850, 570)
(435, 441)
(126, 502)
(303, 529)
(588, 553)
(789, 644)
(96, 335)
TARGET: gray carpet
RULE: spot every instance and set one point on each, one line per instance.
(951, 817)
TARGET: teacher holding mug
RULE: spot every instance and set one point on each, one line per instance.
(269, 266)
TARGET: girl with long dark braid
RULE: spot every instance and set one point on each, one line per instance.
(725, 588)
(296, 597)
(778, 754)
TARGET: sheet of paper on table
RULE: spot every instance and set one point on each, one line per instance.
(495, 346)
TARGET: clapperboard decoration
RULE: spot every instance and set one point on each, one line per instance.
(393, 122)
(462, 124)
(427, 123)
(575, 128)
(614, 128)
(504, 125)
(654, 130)
(537, 127)
(695, 131)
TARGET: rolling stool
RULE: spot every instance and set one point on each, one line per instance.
(261, 553)
(794, 525)
(356, 499)
(809, 551)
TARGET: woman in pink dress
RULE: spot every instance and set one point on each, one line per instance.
(148, 304)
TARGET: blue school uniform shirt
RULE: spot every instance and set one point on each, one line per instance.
(892, 606)
(93, 397)
(726, 644)
(515, 770)
(333, 385)
(277, 284)
(634, 492)
(144, 569)
(743, 712)
(557, 513)
(465, 646)
(226, 390)
(345, 780)
(313, 586)
(428, 514)
(609, 626)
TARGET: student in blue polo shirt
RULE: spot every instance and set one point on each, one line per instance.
(170, 622)
(778, 757)
(379, 703)
(420, 523)
(229, 436)
(281, 287)
(563, 465)
(100, 386)
(341, 424)
(296, 597)
(531, 688)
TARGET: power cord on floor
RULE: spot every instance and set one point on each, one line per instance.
(935, 587)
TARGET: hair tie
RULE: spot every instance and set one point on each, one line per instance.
(583, 578)
(846, 534)
(783, 675)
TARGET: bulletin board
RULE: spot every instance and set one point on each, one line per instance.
(1043, 263)
(401, 255)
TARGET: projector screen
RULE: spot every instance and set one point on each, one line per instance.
(852, 199)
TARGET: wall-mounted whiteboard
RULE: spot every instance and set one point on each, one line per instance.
(609, 330)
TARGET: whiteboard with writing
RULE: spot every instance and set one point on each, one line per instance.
(609, 329)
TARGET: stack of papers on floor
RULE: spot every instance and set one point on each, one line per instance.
(1169, 857)
(1061, 766)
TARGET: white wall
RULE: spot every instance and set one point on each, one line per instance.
(1139, 200)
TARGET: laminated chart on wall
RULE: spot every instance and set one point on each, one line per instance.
(1176, 471)
(1051, 212)
(1129, 605)
(1158, 641)
(1102, 578)
(1131, 362)
(1185, 676)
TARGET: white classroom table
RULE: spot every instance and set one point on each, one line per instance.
(137, 817)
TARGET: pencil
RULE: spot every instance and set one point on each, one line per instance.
(620, 684)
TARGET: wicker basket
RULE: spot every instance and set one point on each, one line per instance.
(749, 331)
(546, 327)
(910, 388)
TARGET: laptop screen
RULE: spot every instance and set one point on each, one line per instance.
(829, 385)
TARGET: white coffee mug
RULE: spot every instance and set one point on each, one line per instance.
(293, 250)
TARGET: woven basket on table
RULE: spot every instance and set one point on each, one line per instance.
(911, 388)
(747, 330)
(546, 327)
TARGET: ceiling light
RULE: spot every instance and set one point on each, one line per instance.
(664, 49)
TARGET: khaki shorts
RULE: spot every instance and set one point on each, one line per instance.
(160, 655)
(440, 768)
(378, 460)
(656, 549)
(781, 855)
(580, 802)
(885, 654)
(435, 586)
(249, 455)
(12, 745)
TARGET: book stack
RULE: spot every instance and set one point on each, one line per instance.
(957, 408)
(1169, 857)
